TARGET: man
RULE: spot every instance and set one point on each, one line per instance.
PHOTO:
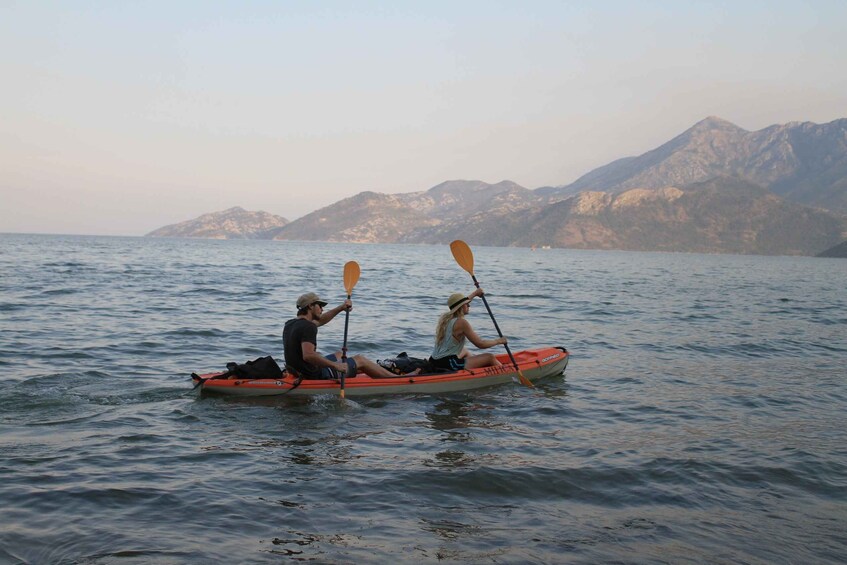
(300, 342)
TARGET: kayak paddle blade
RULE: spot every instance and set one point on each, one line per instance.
(463, 255)
(351, 276)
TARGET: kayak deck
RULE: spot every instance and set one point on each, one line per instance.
(534, 364)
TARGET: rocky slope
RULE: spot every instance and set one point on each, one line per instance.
(804, 162)
(234, 223)
(839, 251)
(715, 188)
(370, 217)
(722, 215)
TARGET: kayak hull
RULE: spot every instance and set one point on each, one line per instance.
(535, 364)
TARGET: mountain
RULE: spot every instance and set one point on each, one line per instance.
(234, 223)
(370, 217)
(715, 188)
(722, 215)
(839, 251)
(803, 162)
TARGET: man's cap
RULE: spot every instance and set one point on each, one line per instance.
(456, 301)
(308, 299)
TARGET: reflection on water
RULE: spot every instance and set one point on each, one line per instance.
(457, 419)
(448, 415)
(302, 458)
(300, 540)
(552, 387)
(451, 458)
(450, 529)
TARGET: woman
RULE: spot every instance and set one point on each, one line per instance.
(452, 331)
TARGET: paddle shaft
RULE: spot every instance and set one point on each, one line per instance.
(344, 346)
(351, 277)
(346, 323)
(496, 327)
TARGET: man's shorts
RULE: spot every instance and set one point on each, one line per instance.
(331, 373)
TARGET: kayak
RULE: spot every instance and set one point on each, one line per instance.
(535, 364)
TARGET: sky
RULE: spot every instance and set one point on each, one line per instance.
(117, 118)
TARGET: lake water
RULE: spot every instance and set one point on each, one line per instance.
(701, 419)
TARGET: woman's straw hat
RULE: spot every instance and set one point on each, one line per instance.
(456, 301)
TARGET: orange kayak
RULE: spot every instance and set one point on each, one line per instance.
(534, 364)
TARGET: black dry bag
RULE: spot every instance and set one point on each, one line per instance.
(261, 368)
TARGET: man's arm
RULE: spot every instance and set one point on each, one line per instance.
(312, 357)
(328, 315)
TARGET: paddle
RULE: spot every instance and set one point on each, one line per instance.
(464, 257)
(351, 277)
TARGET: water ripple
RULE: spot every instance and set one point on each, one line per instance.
(700, 419)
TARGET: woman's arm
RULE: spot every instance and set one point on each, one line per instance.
(463, 328)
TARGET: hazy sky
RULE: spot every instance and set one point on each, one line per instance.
(120, 117)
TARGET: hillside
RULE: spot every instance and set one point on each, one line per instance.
(715, 188)
(723, 215)
(803, 162)
(370, 217)
(233, 223)
(839, 251)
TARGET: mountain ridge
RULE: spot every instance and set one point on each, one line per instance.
(697, 192)
(837, 251)
(232, 223)
(802, 161)
(723, 215)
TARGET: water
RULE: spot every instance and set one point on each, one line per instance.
(700, 421)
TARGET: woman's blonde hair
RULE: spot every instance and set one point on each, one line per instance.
(441, 326)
